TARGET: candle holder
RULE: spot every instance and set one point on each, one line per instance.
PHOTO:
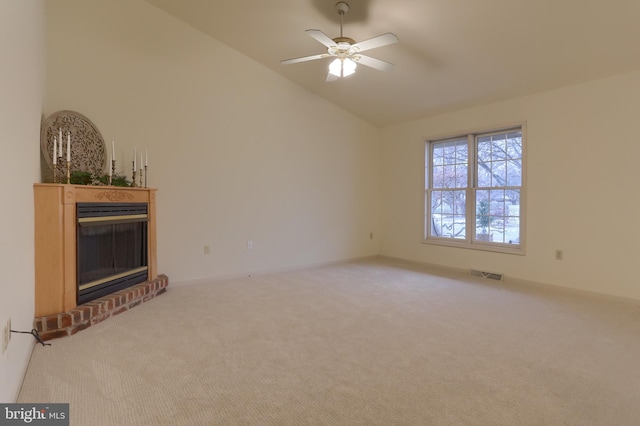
(113, 171)
(68, 172)
(133, 175)
(145, 175)
(58, 171)
(140, 185)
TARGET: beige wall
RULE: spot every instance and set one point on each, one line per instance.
(238, 153)
(22, 87)
(582, 180)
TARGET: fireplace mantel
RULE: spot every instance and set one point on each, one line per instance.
(55, 238)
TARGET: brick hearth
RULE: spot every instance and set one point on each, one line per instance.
(95, 311)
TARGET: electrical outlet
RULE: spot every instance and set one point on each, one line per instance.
(559, 254)
(207, 249)
(249, 245)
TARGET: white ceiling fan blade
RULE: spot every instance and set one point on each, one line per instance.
(373, 62)
(379, 41)
(304, 59)
(321, 37)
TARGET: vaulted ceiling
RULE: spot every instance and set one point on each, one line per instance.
(452, 54)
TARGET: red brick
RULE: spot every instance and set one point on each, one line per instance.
(119, 310)
(99, 318)
(48, 335)
(93, 312)
(82, 326)
(65, 320)
(86, 312)
(51, 322)
(77, 316)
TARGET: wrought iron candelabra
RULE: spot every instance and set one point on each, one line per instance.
(113, 171)
(133, 175)
(62, 171)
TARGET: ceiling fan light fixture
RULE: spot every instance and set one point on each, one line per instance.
(342, 67)
(348, 67)
(346, 51)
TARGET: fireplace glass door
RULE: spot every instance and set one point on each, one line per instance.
(112, 248)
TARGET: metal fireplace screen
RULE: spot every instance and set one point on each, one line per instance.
(112, 247)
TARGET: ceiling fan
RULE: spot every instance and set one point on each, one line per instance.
(346, 51)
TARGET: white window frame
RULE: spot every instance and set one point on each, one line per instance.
(469, 242)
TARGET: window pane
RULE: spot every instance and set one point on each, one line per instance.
(450, 164)
(484, 149)
(498, 173)
(498, 216)
(496, 202)
(448, 214)
(514, 173)
(512, 217)
(483, 218)
(514, 145)
(498, 147)
(449, 154)
(497, 231)
(437, 178)
(449, 176)
(436, 202)
(438, 155)
(461, 176)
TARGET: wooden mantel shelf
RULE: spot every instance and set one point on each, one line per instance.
(55, 238)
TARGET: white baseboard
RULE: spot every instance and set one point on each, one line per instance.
(515, 281)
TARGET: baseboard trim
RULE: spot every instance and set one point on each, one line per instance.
(515, 281)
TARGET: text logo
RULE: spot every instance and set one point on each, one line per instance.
(34, 414)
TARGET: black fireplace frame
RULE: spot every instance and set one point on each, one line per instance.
(111, 215)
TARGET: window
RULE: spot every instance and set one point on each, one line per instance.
(475, 180)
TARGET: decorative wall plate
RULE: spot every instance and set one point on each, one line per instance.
(88, 151)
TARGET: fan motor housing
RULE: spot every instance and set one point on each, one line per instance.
(339, 40)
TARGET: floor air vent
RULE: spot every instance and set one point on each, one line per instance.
(487, 275)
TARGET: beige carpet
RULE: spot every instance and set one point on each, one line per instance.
(374, 342)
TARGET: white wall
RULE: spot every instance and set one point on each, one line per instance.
(238, 153)
(582, 177)
(22, 86)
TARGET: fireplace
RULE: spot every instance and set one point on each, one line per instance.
(112, 247)
(91, 242)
